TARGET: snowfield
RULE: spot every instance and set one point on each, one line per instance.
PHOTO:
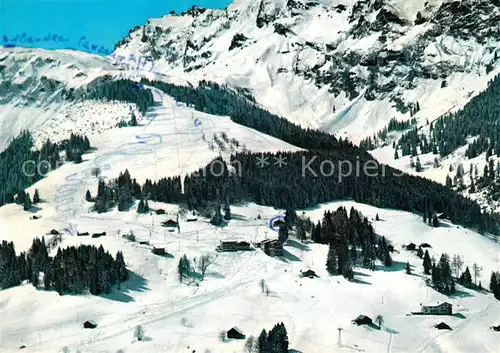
(182, 317)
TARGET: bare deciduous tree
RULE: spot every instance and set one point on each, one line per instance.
(96, 172)
(262, 285)
(184, 322)
(139, 333)
(250, 345)
(222, 336)
(457, 264)
(204, 262)
(379, 320)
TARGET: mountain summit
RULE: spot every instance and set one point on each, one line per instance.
(342, 66)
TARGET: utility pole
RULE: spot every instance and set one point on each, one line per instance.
(339, 343)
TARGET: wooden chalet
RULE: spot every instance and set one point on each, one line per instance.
(362, 320)
(170, 223)
(425, 245)
(496, 328)
(54, 232)
(160, 211)
(82, 234)
(271, 247)
(235, 333)
(233, 246)
(440, 309)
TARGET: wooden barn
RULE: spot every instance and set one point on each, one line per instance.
(98, 235)
(309, 274)
(362, 320)
(159, 251)
(235, 333)
(442, 326)
(411, 247)
(89, 324)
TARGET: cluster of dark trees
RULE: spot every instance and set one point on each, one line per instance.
(479, 118)
(124, 190)
(371, 143)
(14, 179)
(441, 274)
(276, 341)
(495, 284)
(120, 90)
(73, 270)
(345, 234)
(295, 186)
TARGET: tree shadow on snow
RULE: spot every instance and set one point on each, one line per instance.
(461, 294)
(238, 217)
(356, 273)
(214, 274)
(396, 266)
(287, 257)
(297, 245)
(360, 281)
(134, 283)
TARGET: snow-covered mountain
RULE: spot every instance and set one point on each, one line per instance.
(342, 66)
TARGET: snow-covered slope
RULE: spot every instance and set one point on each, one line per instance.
(344, 66)
(182, 318)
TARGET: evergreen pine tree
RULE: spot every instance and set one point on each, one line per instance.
(408, 268)
(27, 202)
(262, 344)
(36, 197)
(283, 233)
(331, 261)
(227, 212)
(427, 263)
(88, 196)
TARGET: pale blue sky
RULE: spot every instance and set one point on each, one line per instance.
(103, 22)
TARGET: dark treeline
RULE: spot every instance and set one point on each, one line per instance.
(13, 180)
(121, 90)
(124, 190)
(287, 186)
(371, 143)
(73, 270)
(215, 99)
(479, 118)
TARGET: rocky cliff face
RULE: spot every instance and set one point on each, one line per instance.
(343, 66)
